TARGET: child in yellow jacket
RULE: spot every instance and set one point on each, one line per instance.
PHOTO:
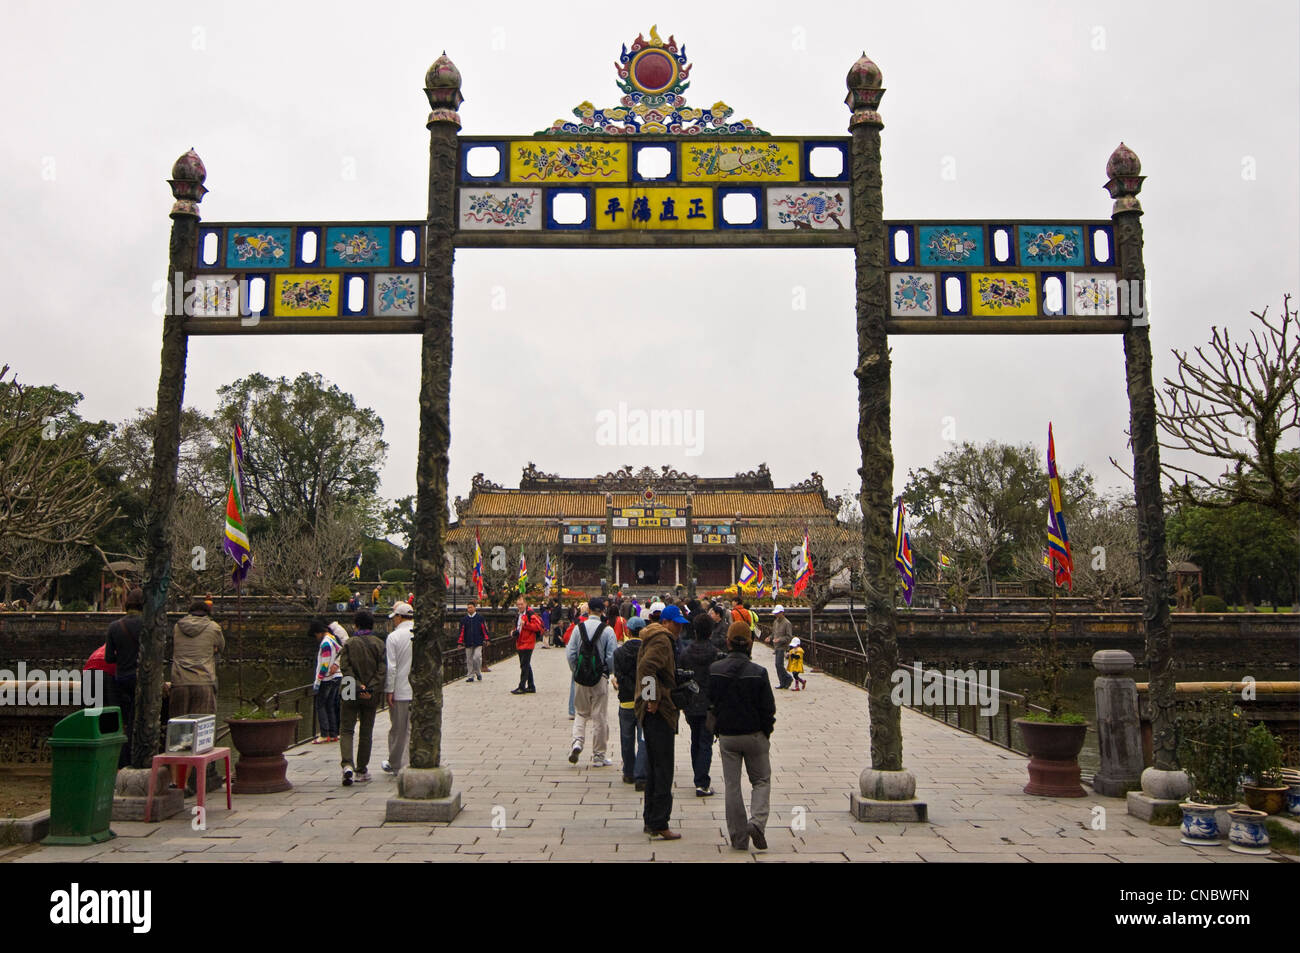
(794, 664)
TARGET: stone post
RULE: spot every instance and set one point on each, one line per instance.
(425, 787)
(1118, 729)
(887, 791)
(1124, 182)
(188, 175)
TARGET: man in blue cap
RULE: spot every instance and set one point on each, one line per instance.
(656, 677)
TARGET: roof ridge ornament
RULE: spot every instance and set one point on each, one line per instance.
(652, 75)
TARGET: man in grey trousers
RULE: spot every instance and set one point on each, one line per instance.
(744, 710)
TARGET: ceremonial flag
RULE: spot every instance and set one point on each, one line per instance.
(747, 572)
(523, 571)
(804, 569)
(236, 543)
(762, 582)
(776, 572)
(1058, 541)
(478, 565)
(903, 552)
(356, 570)
(548, 578)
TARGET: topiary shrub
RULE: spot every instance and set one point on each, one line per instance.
(340, 593)
(399, 575)
(1210, 603)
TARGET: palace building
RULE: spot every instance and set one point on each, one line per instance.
(657, 529)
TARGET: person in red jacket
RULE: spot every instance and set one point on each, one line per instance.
(527, 628)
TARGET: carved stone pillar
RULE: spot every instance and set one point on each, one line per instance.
(425, 788)
(887, 792)
(1124, 182)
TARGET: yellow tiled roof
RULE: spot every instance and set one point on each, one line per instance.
(588, 506)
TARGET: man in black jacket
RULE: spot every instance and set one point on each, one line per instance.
(699, 655)
(745, 710)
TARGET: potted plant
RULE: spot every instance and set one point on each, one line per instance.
(1263, 753)
(1053, 736)
(1210, 749)
(261, 735)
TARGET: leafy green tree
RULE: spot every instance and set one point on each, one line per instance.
(307, 445)
(1247, 553)
(984, 499)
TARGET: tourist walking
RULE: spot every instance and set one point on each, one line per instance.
(794, 665)
(365, 673)
(473, 636)
(397, 685)
(720, 619)
(631, 740)
(782, 633)
(656, 669)
(744, 710)
(528, 627)
(121, 650)
(591, 658)
(326, 685)
(697, 658)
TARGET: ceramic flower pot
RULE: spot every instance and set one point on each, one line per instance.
(1053, 757)
(1199, 827)
(1270, 800)
(1293, 798)
(261, 742)
(1248, 835)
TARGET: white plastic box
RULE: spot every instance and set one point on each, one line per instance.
(193, 734)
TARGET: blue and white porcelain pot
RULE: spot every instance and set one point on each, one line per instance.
(1248, 835)
(1199, 827)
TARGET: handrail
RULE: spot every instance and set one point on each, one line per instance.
(851, 666)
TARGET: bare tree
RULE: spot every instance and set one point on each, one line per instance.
(50, 492)
(302, 561)
(1237, 403)
(37, 564)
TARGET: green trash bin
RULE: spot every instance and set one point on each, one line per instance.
(85, 747)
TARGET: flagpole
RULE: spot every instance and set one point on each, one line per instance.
(239, 637)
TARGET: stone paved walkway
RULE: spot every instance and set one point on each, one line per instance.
(509, 756)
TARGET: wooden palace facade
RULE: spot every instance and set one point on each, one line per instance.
(648, 529)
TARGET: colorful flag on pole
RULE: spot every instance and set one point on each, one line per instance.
(523, 571)
(903, 552)
(548, 579)
(747, 572)
(1058, 541)
(356, 570)
(762, 581)
(804, 569)
(776, 572)
(236, 543)
(478, 565)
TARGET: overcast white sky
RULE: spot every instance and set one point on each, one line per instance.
(315, 111)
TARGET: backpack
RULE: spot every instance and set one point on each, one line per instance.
(590, 667)
(754, 630)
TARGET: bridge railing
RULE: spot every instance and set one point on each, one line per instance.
(302, 701)
(997, 726)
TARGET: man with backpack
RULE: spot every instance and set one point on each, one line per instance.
(591, 657)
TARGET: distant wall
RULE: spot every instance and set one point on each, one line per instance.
(1199, 638)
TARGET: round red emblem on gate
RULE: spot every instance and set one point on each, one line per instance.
(653, 70)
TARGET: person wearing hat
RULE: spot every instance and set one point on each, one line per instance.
(656, 673)
(397, 685)
(631, 739)
(744, 710)
(365, 673)
(782, 632)
(794, 665)
(326, 685)
(591, 702)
